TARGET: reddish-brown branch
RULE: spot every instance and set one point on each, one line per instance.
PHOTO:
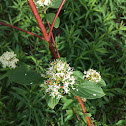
(47, 38)
(83, 109)
(54, 41)
(42, 27)
(76, 114)
(91, 121)
(61, 5)
(5, 24)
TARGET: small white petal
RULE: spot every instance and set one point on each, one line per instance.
(94, 94)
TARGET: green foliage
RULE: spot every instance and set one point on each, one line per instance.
(88, 90)
(78, 75)
(102, 83)
(56, 3)
(23, 75)
(49, 17)
(52, 102)
(29, 49)
(30, 106)
(91, 35)
(67, 102)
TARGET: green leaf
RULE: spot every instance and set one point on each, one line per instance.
(37, 118)
(50, 18)
(88, 90)
(56, 3)
(120, 123)
(101, 83)
(22, 99)
(3, 76)
(123, 28)
(78, 74)
(88, 114)
(69, 114)
(52, 102)
(23, 75)
(67, 103)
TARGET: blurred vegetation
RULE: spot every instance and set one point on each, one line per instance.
(92, 34)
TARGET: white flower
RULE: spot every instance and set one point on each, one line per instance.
(59, 96)
(94, 94)
(60, 78)
(54, 90)
(40, 3)
(66, 90)
(8, 59)
(72, 79)
(92, 75)
(44, 2)
(59, 74)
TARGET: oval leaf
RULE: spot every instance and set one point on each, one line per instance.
(49, 17)
(56, 4)
(52, 102)
(88, 90)
(102, 83)
(78, 74)
(67, 103)
(22, 75)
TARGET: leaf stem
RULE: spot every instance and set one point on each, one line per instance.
(54, 41)
(54, 20)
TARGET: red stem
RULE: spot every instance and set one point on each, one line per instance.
(21, 30)
(76, 114)
(47, 38)
(54, 41)
(83, 109)
(91, 121)
(61, 5)
(42, 27)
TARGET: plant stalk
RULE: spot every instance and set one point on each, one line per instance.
(83, 109)
(47, 38)
(42, 27)
(61, 5)
(5, 24)
(54, 41)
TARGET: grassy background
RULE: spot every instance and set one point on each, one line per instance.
(91, 35)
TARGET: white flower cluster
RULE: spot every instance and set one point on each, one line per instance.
(92, 75)
(44, 2)
(60, 79)
(8, 59)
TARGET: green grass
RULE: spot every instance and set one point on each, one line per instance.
(91, 35)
